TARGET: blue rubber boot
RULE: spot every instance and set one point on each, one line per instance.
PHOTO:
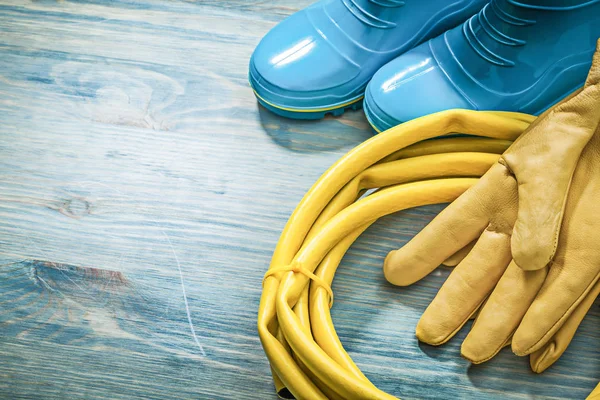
(514, 55)
(320, 59)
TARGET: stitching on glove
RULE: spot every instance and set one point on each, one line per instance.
(454, 332)
(560, 221)
(503, 345)
(503, 162)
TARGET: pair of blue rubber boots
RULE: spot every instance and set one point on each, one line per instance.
(411, 58)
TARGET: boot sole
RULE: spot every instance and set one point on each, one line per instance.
(310, 114)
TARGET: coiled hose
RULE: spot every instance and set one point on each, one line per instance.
(307, 358)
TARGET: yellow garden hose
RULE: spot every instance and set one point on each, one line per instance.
(294, 323)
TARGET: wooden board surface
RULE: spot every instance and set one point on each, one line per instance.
(142, 191)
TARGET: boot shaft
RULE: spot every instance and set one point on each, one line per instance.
(387, 26)
(511, 42)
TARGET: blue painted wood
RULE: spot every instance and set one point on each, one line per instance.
(142, 191)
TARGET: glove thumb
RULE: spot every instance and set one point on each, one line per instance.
(543, 161)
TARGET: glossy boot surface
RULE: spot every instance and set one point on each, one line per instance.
(320, 59)
(514, 55)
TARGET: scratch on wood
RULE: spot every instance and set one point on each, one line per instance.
(187, 307)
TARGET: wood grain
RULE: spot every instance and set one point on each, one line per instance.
(142, 191)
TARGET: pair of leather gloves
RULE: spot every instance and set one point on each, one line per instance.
(525, 241)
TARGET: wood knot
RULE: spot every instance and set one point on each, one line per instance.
(76, 207)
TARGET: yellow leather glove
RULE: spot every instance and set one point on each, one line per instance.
(515, 213)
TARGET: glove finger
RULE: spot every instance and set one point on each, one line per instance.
(460, 255)
(543, 160)
(564, 289)
(465, 289)
(502, 313)
(551, 352)
(454, 228)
